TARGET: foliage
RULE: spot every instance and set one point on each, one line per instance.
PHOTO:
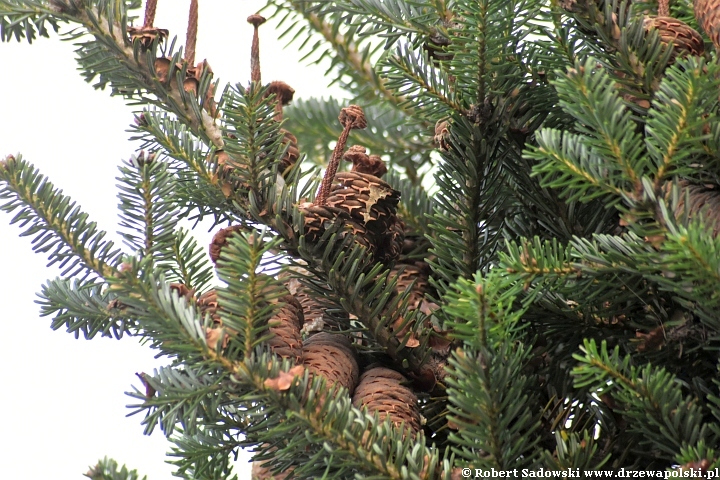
(554, 303)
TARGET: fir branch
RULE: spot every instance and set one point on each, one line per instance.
(491, 400)
(108, 469)
(188, 263)
(204, 455)
(680, 111)
(183, 396)
(58, 225)
(652, 400)
(425, 88)
(147, 208)
(117, 61)
(84, 307)
(591, 98)
(250, 298)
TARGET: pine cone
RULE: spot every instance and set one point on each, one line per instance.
(702, 200)
(315, 312)
(707, 13)
(285, 326)
(220, 239)
(318, 219)
(260, 472)
(381, 390)
(332, 356)
(371, 203)
(684, 39)
(291, 154)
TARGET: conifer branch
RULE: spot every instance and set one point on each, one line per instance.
(122, 63)
(59, 226)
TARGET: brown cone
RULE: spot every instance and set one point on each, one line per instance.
(292, 153)
(285, 325)
(701, 201)
(314, 311)
(685, 40)
(320, 218)
(220, 239)
(372, 203)
(381, 390)
(332, 356)
(707, 13)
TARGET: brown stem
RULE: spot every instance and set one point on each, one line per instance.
(663, 8)
(192, 29)
(256, 21)
(332, 167)
(150, 8)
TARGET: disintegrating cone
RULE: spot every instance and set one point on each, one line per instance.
(220, 239)
(332, 356)
(162, 69)
(364, 163)
(372, 204)
(685, 40)
(318, 219)
(147, 35)
(707, 13)
(183, 291)
(285, 325)
(381, 390)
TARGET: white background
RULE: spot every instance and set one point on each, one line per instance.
(62, 400)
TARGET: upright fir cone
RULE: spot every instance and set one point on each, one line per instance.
(315, 312)
(697, 200)
(382, 390)
(284, 326)
(332, 356)
(707, 13)
(684, 39)
(220, 239)
(260, 471)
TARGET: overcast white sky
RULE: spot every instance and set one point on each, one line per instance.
(63, 399)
